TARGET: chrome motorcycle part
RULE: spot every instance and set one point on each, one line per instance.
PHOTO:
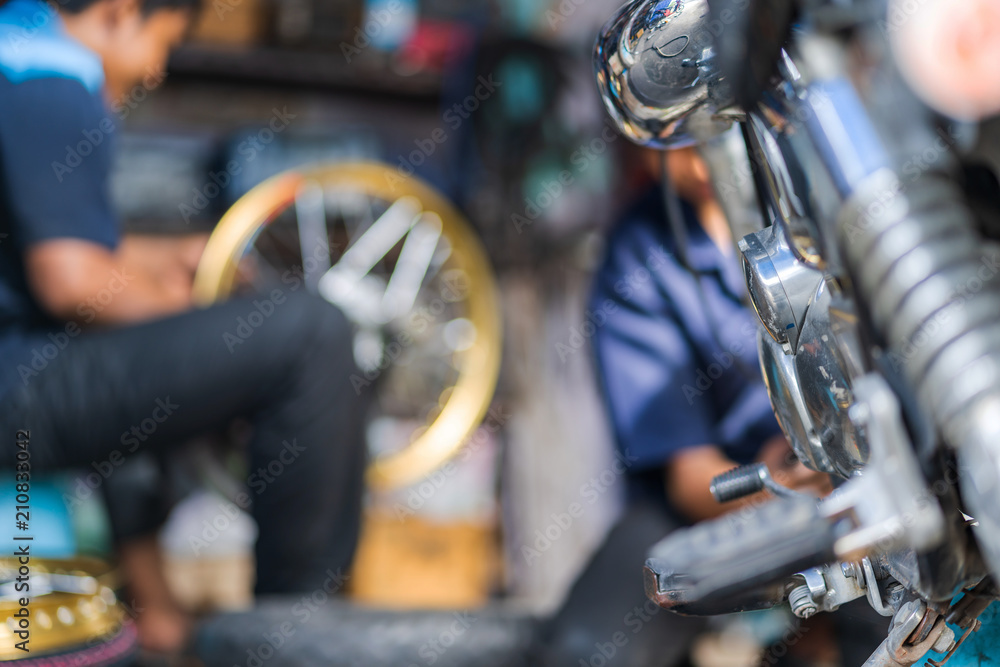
(781, 287)
(888, 505)
(736, 562)
(789, 206)
(655, 66)
(825, 378)
(827, 107)
(811, 390)
(789, 405)
(843, 316)
(946, 347)
(796, 190)
(930, 284)
(407, 269)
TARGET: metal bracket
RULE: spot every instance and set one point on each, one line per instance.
(828, 587)
(888, 504)
(872, 587)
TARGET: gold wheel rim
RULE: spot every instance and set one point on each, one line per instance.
(61, 621)
(468, 400)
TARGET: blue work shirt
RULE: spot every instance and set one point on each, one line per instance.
(55, 157)
(679, 366)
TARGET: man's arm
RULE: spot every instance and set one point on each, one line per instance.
(82, 281)
(76, 265)
(689, 476)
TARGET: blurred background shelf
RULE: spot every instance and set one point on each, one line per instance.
(373, 73)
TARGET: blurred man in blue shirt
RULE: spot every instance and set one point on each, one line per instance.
(101, 353)
(677, 359)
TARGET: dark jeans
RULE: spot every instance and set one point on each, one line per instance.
(110, 394)
(607, 619)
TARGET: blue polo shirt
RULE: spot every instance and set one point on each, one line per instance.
(55, 157)
(667, 353)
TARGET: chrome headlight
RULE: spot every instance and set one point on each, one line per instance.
(654, 63)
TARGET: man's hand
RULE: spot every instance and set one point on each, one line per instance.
(85, 282)
(689, 478)
(171, 260)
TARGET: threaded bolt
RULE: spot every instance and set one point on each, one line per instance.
(852, 570)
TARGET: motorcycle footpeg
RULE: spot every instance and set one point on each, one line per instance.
(738, 562)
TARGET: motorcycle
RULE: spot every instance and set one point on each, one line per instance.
(870, 134)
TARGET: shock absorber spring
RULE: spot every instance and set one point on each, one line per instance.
(918, 263)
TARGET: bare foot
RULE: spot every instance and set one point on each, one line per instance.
(163, 629)
(162, 626)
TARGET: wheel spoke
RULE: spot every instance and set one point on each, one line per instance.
(381, 237)
(358, 261)
(411, 269)
(310, 215)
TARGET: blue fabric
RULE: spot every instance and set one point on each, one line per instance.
(668, 358)
(33, 45)
(55, 157)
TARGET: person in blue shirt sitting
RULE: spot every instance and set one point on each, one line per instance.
(678, 358)
(678, 364)
(102, 356)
